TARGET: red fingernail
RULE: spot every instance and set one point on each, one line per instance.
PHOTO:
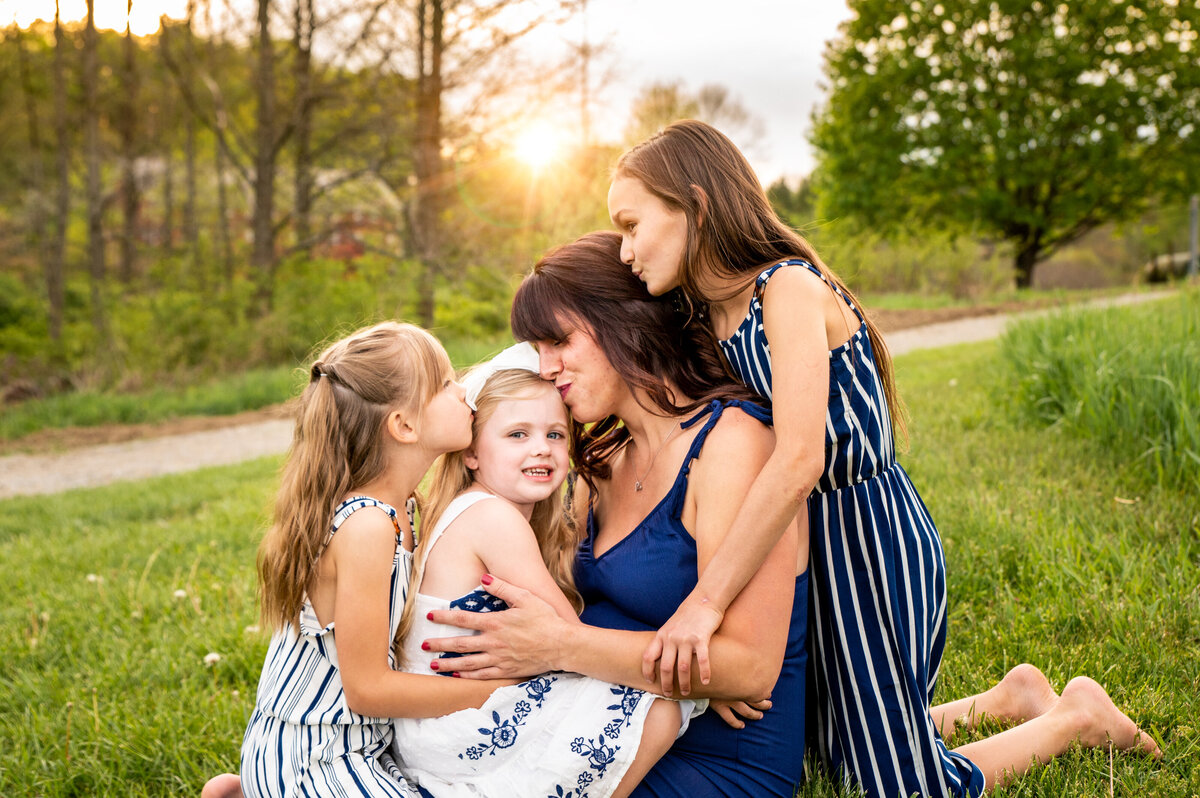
(433, 665)
(425, 646)
(456, 675)
(486, 579)
(429, 616)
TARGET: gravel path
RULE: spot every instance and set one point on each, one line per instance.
(25, 475)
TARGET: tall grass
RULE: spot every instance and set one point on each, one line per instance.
(1127, 377)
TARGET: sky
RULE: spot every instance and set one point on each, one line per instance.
(766, 52)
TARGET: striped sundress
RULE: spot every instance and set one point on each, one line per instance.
(302, 739)
(877, 577)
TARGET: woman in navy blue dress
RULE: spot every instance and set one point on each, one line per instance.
(695, 221)
(672, 446)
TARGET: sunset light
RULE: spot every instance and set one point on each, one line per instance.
(110, 14)
(538, 144)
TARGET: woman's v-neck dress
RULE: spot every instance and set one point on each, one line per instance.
(638, 584)
(878, 583)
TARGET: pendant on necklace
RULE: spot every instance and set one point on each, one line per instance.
(637, 486)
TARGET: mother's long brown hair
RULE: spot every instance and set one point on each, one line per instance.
(585, 283)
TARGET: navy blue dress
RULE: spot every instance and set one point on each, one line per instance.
(638, 584)
(878, 604)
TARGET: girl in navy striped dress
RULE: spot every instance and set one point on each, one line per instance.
(694, 218)
(379, 407)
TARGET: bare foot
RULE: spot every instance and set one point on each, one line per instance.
(227, 785)
(1025, 693)
(1100, 722)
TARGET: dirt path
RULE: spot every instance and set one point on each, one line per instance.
(103, 455)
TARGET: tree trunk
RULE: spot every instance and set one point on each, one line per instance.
(191, 232)
(129, 187)
(56, 261)
(304, 24)
(224, 241)
(262, 257)
(95, 202)
(428, 157)
(168, 196)
(1029, 251)
(37, 199)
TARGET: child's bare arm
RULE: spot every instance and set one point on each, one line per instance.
(505, 543)
(362, 553)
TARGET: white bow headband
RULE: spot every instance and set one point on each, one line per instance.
(519, 356)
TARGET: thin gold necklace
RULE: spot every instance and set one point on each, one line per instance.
(637, 481)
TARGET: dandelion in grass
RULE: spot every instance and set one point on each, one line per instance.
(180, 595)
(94, 579)
(252, 629)
(212, 658)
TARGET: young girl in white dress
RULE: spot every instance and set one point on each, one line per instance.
(496, 509)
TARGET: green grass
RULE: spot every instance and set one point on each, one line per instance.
(1127, 377)
(1056, 556)
(246, 391)
(249, 390)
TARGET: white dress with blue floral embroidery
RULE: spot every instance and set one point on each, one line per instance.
(559, 735)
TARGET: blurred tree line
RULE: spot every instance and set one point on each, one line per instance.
(252, 178)
(244, 181)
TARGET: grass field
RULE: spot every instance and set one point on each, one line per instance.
(1060, 551)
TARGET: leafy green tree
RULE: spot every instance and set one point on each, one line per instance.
(1027, 120)
(796, 206)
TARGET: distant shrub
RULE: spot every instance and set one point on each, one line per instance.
(1129, 377)
(927, 262)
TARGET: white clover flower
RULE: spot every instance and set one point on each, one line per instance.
(180, 594)
(252, 629)
(212, 658)
(93, 578)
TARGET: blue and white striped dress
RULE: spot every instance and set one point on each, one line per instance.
(877, 576)
(302, 739)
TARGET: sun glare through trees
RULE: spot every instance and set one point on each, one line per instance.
(110, 14)
(538, 145)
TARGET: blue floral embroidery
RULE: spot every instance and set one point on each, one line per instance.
(627, 706)
(504, 731)
(538, 687)
(599, 754)
(479, 601)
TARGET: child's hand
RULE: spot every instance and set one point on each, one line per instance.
(519, 642)
(730, 710)
(685, 634)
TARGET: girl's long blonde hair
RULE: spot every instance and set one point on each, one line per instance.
(556, 536)
(353, 386)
